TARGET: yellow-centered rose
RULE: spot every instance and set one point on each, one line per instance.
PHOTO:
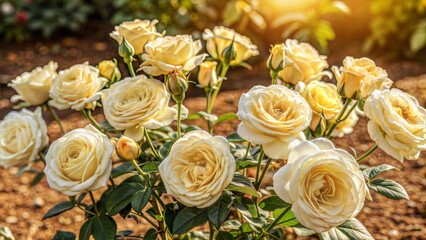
(22, 136)
(77, 88)
(164, 54)
(33, 87)
(397, 123)
(137, 32)
(302, 63)
(324, 184)
(274, 117)
(79, 161)
(198, 169)
(221, 38)
(207, 76)
(359, 77)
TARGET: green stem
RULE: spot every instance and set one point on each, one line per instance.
(146, 218)
(130, 66)
(259, 164)
(276, 221)
(265, 170)
(368, 153)
(88, 115)
(247, 150)
(223, 72)
(179, 109)
(208, 97)
(331, 128)
(212, 231)
(42, 158)
(94, 203)
(148, 139)
(273, 75)
(56, 118)
(112, 181)
(85, 210)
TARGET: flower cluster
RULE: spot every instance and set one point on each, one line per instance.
(140, 155)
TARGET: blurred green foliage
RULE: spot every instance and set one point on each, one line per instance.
(399, 26)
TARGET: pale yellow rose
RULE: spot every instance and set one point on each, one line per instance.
(324, 184)
(207, 76)
(109, 70)
(274, 117)
(76, 87)
(137, 102)
(323, 99)
(397, 123)
(22, 136)
(359, 77)
(137, 32)
(33, 87)
(302, 63)
(79, 161)
(276, 59)
(164, 54)
(221, 37)
(198, 169)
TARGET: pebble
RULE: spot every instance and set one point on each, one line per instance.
(38, 202)
(393, 233)
(11, 219)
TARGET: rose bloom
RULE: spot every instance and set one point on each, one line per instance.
(360, 77)
(323, 99)
(79, 161)
(207, 76)
(221, 37)
(274, 117)
(164, 54)
(77, 88)
(397, 123)
(33, 87)
(137, 102)
(324, 184)
(22, 136)
(137, 32)
(198, 169)
(302, 63)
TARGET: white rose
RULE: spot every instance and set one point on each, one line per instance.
(137, 102)
(221, 37)
(22, 136)
(198, 169)
(77, 88)
(164, 54)
(137, 32)
(79, 161)
(33, 87)
(274, 117)
(324, 184)
(397, 123)
(302, 63)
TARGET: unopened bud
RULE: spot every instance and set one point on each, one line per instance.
(127, 148)
(109, 70)
(177, 85)
(126, 50)
(207, 76)
(276, 58)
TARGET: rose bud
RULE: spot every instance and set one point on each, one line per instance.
(207, 76)
(127, 148)
(109, 70)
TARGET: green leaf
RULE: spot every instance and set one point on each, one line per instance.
(302, 231)
(124, 233)
(124, 168)
(165, 149)
(103, 228)
(38, 177)
(418, 39)
(219, 211)
(351, 230)
(224, 117)
(221, 235)
(289, 218)
(151, 234)
(234, 137)
(141, 199)
(246, 163)
(189, 218)
(150, 167)
(107, 126)
(243, 185)
(122, 195)
(58, 209)
(86, 229)
(62, 235)
(373, 172)
(272, 203)
(388, 188)
(207, 116)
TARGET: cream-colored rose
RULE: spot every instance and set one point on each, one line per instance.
(323, 99)
(276, 59)
(137, 32)
(137, 102)
(274, 117)
(22, 136)
(198, 169)
(164, 54)
(302, 63)
(360, 77)
(76, 87)
(221, 37)
(324, 184)
(347, 126)
(109, 70)
(33, 87)
(397, 123)
(79, 161)
(207, 76)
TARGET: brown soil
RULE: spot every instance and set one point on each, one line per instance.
(22, 207)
